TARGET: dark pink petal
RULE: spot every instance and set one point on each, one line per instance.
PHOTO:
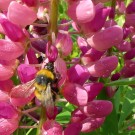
(73, 129)
(131, 8)
(81, 11)
(7, 111)
(8, 48)
(75, 94)
(17, 12)
(130, 54)
(78, 74)
(77, 116)
(26, 72)
(6, 85)
(103, 67)
(8, 126)
(30, 3)
(107, 38)
(124, 46)
(51, 127)
(97, 108)
(6, 72)
(10, 30)
(93, 89)
(91, 124)
(130, 20)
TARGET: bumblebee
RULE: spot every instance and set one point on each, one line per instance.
(44, 86)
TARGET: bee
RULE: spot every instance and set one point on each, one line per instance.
(44, 86)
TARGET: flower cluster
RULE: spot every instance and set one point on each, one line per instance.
(32, 34)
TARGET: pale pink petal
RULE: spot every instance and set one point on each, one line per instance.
(21, 15)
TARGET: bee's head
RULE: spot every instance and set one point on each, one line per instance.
(49, 66)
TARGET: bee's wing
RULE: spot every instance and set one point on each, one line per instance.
(23, 90)
(48, 100)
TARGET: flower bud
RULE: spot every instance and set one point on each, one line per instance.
(107, 38)
(97, 108)
(78, 74)
(81, 11)
(14, 32)
(51, 127)
(75, 94)
(93, 89)
(103, 67)
(17, 13)
(91, 124)
(51, 52)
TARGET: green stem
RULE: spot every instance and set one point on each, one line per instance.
(42, 120)
(53, 28)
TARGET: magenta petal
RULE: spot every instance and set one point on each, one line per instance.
(73, 129)
(51, 127)
(91, 124)
(75, 94)
(77, 116)
(78, 74)
(97, 108)
(8, 126)
(8, 48)
(103, 67)
(107, 38)
(93, 89)
(17, 13)
(26, 72)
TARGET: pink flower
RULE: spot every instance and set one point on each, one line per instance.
(75, 94)
(107, 38)
(10, 29)
(30, 3)
(9, 48)
(26, 72)
(9, 118)
(17, 13)
(78, 74)
(93, 89)
(51, 127)
(103, 67)
(81, 11)
(97, 108)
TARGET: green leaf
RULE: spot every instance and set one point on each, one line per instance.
(128, 105)
(127, 81)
